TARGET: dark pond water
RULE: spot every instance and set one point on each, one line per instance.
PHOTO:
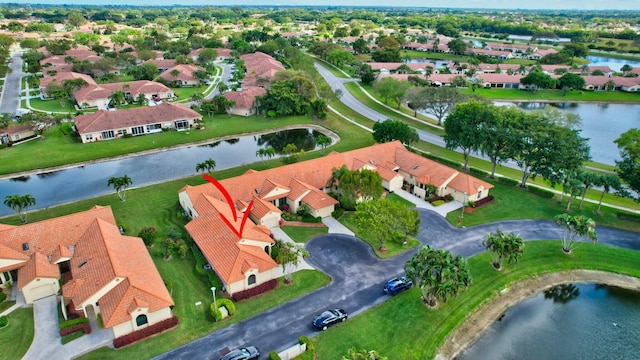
(601, 124)
(568, 322)
(89, 181)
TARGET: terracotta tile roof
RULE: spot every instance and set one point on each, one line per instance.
(162, 63)
(9, 253)
(259, 64)
(425, 170)
(298, 190)
(502, 78)
(245, 98)
(223, 52)
(6, 227)
(61, 76)
(469, 184)
(110, 120)
(104, 91)
(185, 72)
(261, 208)
(37, 267)
(61, 253)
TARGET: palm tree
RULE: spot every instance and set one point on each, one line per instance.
(504, 246)
(438, 274)
(197, 98)
(117, 98)
(608, 182)
(142, 100)
(223, 88)
(174, 73)
(20, 204)
(120, 184)
(208, 165)
(323, 141)
(267, 152)
(575, 228)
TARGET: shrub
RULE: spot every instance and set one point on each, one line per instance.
(436, 198)
(484, 201)
(508, 181)
(144, 333)
(479, 172)
(216, 314)
(437, 202)
(73, 322)
(311, 219)
(471, 203)
(3, 296)
(448, 197)
(84, 328)
(254, 291)
(310, 353)
(337, 213)
(148, 235)
(628, 216)
(541, 192)
(122, 227)
(3, 321)
(274, 355)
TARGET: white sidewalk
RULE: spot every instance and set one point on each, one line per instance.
(442, 210)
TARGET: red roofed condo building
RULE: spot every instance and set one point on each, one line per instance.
(102, 271)
(245, 100)
(243, 262)
(99, 95)
(107, 125)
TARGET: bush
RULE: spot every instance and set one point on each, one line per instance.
(311, 219)
(73, 322)
(254, 291)
(169, 285)
(84, 328)
(435, 198)
(144, 333)
(311, 349)
(508, 181)
(437, 202)
(3, 296)
(628, 216)
(127, 136)
(148, 235)
(541, 192)
(448, 197)
(479, 172)
(274, 355)
(3, 321)
(337, 213)
(484, 201)
(227, 303)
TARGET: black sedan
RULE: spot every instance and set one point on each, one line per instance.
(396, 285)
(329, 317)
(245, 353)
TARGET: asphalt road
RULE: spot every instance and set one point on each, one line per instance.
(357, 279)
(11, 90)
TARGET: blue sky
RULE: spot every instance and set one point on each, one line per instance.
(499, 4)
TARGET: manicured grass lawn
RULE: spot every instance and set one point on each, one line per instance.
(6, 304)
(403, 328)
(394, 247)
(16, 338)
(184, 93)
(302, 234)
(52, 105)
(555, 95)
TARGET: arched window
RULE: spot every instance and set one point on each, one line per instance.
(141, 320)
(252, 279)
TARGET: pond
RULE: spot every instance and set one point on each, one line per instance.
(570, 321)
(601, 124)
(614, 64)
(88, 181)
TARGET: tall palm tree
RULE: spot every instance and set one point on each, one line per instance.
(576, 228)
(197, 98)
(117, 98)
(503, 246)
(120, 184)
(20, 204)
(608, 182)
(208, 165)
(267, 152)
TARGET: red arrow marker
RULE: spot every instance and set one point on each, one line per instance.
(233, 208)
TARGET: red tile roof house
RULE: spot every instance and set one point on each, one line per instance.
(16, 133)
(103, 271)
(60, 77)
(107, 125)
(98, 95)
(162, 64)
(293, 185)
(501, 81)
(245, 100)
(184, 75)
(259, 65)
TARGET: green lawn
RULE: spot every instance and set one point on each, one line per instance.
(16, 338)
(184, 93)
(555, 95)
(302, 234)
(52, 105)
(403, 328)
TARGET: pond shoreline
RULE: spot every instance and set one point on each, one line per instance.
(334, 137)
(477, 322)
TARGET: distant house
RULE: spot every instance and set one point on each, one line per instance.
(98, 95)
(245, 100)
(261, 68)
(182, 75)
(102, 271)
(500, 81)
(162, 64)
(60, 78)
(107, 125)
(16, 133)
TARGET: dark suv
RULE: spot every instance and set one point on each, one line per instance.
(397, 285)
(329, 317)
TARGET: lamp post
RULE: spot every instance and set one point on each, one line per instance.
(464, 200)
(213, 290)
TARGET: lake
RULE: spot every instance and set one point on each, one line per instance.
(84, 182)
(614, 64)
(568, 322)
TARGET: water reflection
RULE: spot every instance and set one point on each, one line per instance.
(89, 181)
(603, 322)
(562, 293)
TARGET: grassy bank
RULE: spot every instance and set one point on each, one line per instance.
(403, 328)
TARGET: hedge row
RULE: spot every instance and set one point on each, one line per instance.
(4, 320)
(508, 181)
(273, 355)
(479, 172)
(227, 303)
(254, 291)
(310, 353)
(628, 216)
(85, 328)
(483, 201)
(73, 322)
(541, 192)
(3, 296)
(150, 330)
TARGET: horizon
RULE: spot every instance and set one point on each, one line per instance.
(540, 5)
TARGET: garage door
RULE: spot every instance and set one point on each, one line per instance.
(41, 292)
(270, 221)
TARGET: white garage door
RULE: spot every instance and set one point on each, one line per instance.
(41, 292)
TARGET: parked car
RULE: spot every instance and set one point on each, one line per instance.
(329, 317)
(245, 353)
(397, 285)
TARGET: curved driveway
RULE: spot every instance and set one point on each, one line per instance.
(357, 279)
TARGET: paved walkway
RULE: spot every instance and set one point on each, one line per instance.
(441, 210)
(47, 344)
(335, 227)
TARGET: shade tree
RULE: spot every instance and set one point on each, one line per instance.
(462, 127)
(628, 168)
(390, 130)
